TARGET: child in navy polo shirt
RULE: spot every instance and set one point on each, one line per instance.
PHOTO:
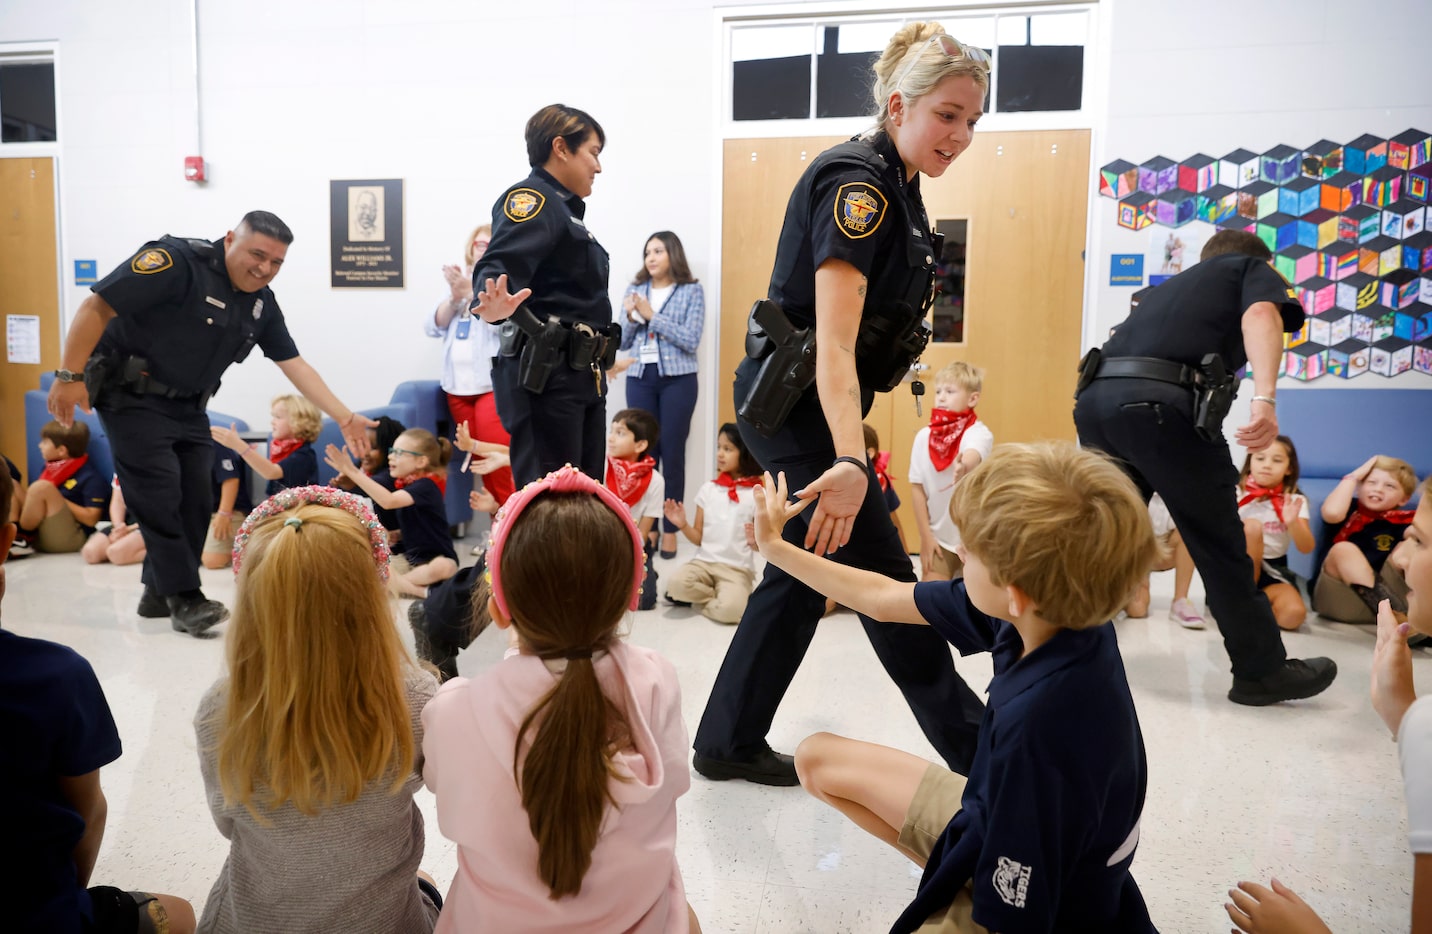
(292, 462)
(1042, 834)
(62, 507)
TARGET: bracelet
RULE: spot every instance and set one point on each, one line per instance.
(349, 420)
(847, 459)
(1268, 399)
(226, 515)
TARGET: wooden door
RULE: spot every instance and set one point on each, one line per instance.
(28, 285)
(1024, 195)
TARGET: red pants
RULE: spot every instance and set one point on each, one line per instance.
(479, 413)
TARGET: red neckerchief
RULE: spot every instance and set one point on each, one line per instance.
(734, 484)
(946, 430)
(1274, 495)
(439, 478)
(629, 479)
(1362, 517)
(882, 469)
(279, 448)
(57, 472)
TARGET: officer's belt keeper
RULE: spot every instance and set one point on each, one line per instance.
(787, 357)
(1212, 386)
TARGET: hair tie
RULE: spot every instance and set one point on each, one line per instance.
(294, 521)
(578, 653)
(294, 497)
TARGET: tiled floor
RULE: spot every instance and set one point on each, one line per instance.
(1309, 791)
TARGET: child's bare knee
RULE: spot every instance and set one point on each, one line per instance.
(213, 560)
(811, 756)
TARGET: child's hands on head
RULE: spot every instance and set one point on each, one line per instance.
(1361, 473)
(774, 510)
(339, 459)
(228, 437)
(1379, 491)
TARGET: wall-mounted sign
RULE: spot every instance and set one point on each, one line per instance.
(366, 233)
(86, 271)
(1126, 269)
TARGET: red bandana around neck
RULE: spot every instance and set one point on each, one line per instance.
(1274, 495)
(279, 448)
(882, 469)
(629, 479)
(439, 478)
(57, 472)
(733, 485)
(946, 430)
(1362, 517)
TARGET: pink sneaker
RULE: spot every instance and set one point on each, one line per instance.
(1184, 613)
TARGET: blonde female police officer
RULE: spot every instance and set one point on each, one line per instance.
(854, 263)
(544, 280)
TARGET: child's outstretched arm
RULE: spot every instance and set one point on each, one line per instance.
(866, 592)
(1339, 501)
(339, 460)
(229, 438)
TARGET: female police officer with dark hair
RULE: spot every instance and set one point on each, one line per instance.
(543, 279)
(854, 265)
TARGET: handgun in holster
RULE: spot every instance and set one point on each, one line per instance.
(546, 341)
(787, 356)
(890, 340)
(101, 375)
(1212, 397)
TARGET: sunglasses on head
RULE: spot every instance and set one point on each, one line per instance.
(952, 47)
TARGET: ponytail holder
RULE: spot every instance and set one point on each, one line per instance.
(294, 521)
(578, 653)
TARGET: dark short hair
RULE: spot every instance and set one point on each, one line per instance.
(556, 120)
(262, 222)
(74, 439)
(675, 252)
(872, 437)
(748, 466)
(642, 425)
(1235, 241)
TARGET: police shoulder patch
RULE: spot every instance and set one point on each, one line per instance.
(523, 204)
(151, 261)
(859, 209)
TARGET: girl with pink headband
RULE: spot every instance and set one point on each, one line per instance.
(557, 771)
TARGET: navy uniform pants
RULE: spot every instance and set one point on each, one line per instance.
(566, 423)
(781, 616)
(164, 457)
(1148, 426)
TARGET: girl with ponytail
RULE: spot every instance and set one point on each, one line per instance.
(557, 771)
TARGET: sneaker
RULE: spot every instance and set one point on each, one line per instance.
(1184, 613)
(675, 602)
(196, 615)
(1296, 679)
(21, 549)
(153, 606)
(767, 768)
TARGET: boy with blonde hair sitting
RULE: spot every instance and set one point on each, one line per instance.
(949, 447)
(1042, 834)
(1365, 507)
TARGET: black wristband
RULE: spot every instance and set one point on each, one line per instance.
(847, 459)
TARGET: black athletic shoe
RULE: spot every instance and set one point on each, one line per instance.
(767, 768)
(153, 606)
(675, 602)
(196, 615)
(1297, 679)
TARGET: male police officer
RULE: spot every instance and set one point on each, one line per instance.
(154, 340)
(1155, 396)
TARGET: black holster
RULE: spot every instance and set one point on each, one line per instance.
(890, 341)
(787, 370)
(1212, 397)
(101, 376)
(542, 351)
(1088, 369)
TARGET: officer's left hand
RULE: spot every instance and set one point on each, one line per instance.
(495, 303)
(841, 489)
(1278, 910)
(355, 432)
(229, 438)
(773, 510)
(1261, 430)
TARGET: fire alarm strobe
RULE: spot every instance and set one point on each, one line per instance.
(194, 169)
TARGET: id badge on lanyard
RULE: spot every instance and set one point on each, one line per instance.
(464, 328)
(649, 352)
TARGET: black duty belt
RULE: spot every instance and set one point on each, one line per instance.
(1164, 371)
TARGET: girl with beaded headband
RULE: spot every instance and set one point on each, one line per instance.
(310, 744)
(557, 771)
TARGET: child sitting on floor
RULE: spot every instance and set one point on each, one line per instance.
(291, 461)
(381, 438)
(949, 447)
(1356, 575)
(119, 544)
(1053, 541)
(232, 502)
(62, 507)
(1274, 516)
(632, 475)
(719, 579)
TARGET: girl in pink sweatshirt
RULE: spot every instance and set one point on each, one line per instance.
(557, 771)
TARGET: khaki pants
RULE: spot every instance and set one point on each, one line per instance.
(936, 802)
(719, 590)
(60, 533)
(1337, 601)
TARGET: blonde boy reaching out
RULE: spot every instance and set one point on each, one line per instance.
(953, 444)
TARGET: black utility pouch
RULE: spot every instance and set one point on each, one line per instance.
(581, 347)
(509, 339)
(99, 377)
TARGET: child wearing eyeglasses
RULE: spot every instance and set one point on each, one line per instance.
(417, 462)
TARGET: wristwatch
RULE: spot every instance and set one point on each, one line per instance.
(68, 376)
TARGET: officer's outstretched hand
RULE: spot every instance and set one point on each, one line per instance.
(841, 490)
(495, 303)
(63, 399)
(773, 510)
(1261, 430)
(355, 432)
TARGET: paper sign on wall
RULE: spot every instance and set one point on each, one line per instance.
(1126, 269)
(22, 338)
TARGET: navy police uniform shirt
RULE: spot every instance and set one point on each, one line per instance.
(844, 211)
(424, 524)
(180, 312)
(1200, 311)
(1049, 820)
(540, 242)
(300, 468)
(228, 466)
(57, 722)
(86, 488)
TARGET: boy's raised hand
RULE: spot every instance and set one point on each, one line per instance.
(1392, 690)
(774, 510)
(338, 459)
(228, 437)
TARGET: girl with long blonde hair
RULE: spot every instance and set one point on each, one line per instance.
(310, 745)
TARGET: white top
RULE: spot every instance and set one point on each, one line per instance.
(1414, 751)
(1276, 537)
(467, 363)
(939, 485)
(652, 501)
(723, 525)
(1159, 517)
(660, 296)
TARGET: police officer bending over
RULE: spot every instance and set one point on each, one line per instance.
(1155, 397)
(153, 341)
(853, 275)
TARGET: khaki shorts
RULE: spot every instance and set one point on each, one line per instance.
(1335, 600)
(222, 546)
(60, 533)
(936, 802)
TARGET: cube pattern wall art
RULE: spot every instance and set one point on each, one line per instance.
(1350, 227)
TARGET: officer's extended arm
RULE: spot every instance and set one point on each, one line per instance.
(1263, 344)
(85, 331)
(307, 381)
